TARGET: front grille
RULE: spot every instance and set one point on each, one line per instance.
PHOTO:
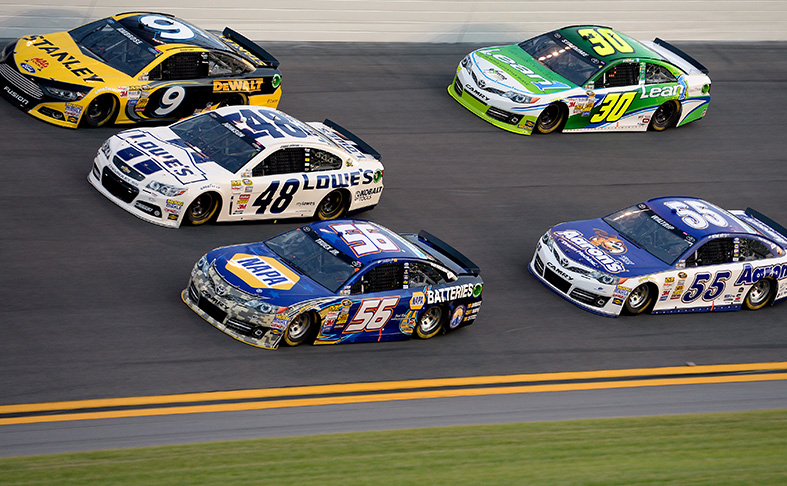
(503, 115)
(212, 310)
(556, 280)
(458, 87)
(494, 90)
(118, 187)
(44, 110)
(21, 82)
(539, 265)
(193, 294)
(239, 327)
(589, 298)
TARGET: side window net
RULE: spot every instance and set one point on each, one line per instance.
(284, 161)
(380, 279)
(624, 74)
(186, 65)
(713, 252)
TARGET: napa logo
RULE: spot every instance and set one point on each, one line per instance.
(417, 301)
(261, 272)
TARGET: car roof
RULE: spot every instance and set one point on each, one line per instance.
(244, 117)
(735, 225)
(178, 35)
(639, 50)
(331, 232)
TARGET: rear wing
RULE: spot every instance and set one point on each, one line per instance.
(357, 143)
(767, 225)
(666, 45)
(449, 251)
(250, 46)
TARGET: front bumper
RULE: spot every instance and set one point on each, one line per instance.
(228, 314)
(133, 197)
(486, 106)
(581, 290)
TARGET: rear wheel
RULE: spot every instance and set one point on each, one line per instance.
(100, 111)
(550, 119)
(430, 322)
(639, 299)
(203, 208)
(665, 116)
(332, 206)
(299, 329)
(759, 294)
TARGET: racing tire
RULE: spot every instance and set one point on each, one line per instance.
(101, 111)
(332, 206)
(551, 118)
(639, 300)
(665, 116)
(429, 322)
(300, 329)
(203, 208)
(759, 294)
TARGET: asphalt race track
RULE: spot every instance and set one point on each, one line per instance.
(90, 294)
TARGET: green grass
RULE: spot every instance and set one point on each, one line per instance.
(747, 448)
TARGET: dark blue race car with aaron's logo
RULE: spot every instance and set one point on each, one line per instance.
(333, 282)
(666, 255)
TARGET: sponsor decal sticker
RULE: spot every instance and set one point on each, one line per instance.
(262, 272)
(456, 318)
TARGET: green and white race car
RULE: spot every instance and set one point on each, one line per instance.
(582, 79)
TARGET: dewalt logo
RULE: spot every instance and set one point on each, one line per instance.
(238, 86)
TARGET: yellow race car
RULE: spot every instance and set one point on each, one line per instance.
(134, 67)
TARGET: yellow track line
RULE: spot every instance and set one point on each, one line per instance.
(310, 402)
(386, 386)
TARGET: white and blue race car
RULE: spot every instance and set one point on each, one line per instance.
(238, 163)
(666, 255)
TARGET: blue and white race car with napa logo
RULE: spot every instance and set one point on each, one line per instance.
(666, 255)
(238, 163)
(334, 282)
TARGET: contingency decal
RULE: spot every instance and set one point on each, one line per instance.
(261, 272)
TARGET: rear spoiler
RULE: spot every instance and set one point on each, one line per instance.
(768, 222)
(450, 252)
(250, 46)
(360, 144)
(675, 50)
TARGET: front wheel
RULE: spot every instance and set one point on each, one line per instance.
(203, 208)
(299, 329)
(639, 299)
(429, 323)
(332, 206)
(101, 111)
(665, 116)
(759, 294)
(550, 119)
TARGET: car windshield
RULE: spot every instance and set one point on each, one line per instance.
(304, 250)
(115, 46)
(562, 57)
(643, 227)
(217, 139)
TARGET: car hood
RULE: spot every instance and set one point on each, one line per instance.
(158, 153)
(56, 56)
(512, 67)
(256, 270)
(596, 244)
